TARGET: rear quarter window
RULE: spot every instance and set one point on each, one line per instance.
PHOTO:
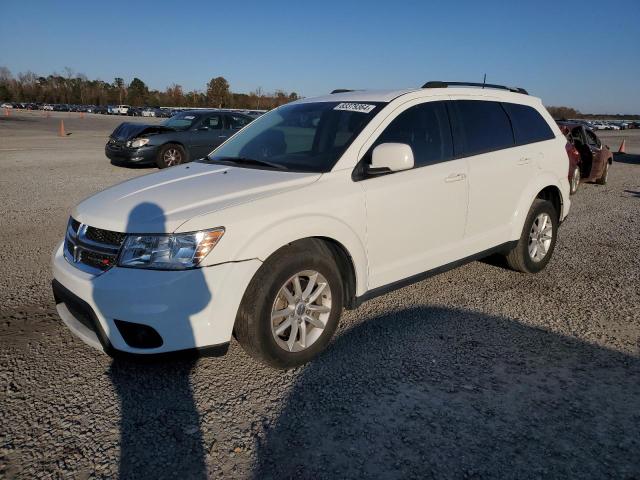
(528, 124)
(484, 126)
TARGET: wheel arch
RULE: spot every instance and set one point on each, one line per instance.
(547, 188)
(174, 142)
(342, 240)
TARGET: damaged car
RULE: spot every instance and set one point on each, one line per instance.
(187, 136)
(594, 158)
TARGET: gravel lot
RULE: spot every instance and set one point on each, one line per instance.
(479, 372)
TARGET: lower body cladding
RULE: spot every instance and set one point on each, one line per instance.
(148, 312)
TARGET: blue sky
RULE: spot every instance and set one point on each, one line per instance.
(580, 53)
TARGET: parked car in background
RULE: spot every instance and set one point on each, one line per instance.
(149, 112)
(183, 137)
(134, 112)
(575, 161)
(121, 109)
(595, 157)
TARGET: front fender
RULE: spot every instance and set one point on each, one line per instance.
(273, 236)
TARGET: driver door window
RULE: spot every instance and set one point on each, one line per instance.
(213, 122)
(425, 128)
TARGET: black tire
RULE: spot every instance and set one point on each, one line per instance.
(575, 180)
(519, 258)
(605, 175)
(253, 328)
(168, 152)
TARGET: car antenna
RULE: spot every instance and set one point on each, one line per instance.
(484, 80)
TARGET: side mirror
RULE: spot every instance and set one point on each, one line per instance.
(393, 157)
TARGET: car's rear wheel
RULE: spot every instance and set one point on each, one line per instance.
(575, 180)
(171, 155)
(292, 306)
(605, 175)
(538, 239)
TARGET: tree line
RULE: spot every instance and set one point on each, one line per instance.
(75, 88)
(571, 113)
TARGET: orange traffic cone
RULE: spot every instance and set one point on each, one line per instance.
(81, 114)
(61, 132)
(47, 114)
(6, 112)
(622, 145)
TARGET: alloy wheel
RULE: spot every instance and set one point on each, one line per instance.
(575, 180)
(301, 311)
(540, 237)
(172, 157)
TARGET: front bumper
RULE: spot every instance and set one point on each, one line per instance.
(142, 155)
(189, 309)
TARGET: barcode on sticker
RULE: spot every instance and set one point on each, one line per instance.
(355, 107)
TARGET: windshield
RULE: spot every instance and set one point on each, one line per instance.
(181, 121)
(305, 137)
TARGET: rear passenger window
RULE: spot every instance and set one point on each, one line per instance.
(484, 126)
(528, 124)
(236, 121)
(425, 128)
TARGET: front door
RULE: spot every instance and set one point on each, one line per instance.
(416, 218)
(207, 135)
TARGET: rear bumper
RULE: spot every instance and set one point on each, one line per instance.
(143, 155)
(191, 310)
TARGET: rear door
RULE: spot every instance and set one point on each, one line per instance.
(207, 135)
(498, 172)
(415, 218)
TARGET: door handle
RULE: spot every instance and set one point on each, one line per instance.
(222, 136)
(524, 161)
(455, 177)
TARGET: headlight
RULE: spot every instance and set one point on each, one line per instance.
(168, 252)
(138, 142)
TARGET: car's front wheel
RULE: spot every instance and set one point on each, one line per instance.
(538, 239)
(292, 306)
(170, 155)
(575, 180)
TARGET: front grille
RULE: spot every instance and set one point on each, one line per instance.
(105, 236)
(100, 261)
(91, 249)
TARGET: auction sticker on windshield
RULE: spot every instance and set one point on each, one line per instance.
(355, 107)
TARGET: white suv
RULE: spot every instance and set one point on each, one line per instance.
(316, 206)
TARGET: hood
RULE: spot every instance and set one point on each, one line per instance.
(162, 201)
(129, 131)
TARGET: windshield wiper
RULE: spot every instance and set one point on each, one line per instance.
(249, 161)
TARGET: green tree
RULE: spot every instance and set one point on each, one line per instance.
(137, 92)
(118, 84)
(218, 92)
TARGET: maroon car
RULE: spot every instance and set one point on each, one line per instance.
(593, 158)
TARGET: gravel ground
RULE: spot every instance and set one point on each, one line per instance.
(479, 372)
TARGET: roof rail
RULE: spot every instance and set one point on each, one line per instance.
(341, 90)
(438, 84)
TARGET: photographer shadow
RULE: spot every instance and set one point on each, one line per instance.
(160, 434)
